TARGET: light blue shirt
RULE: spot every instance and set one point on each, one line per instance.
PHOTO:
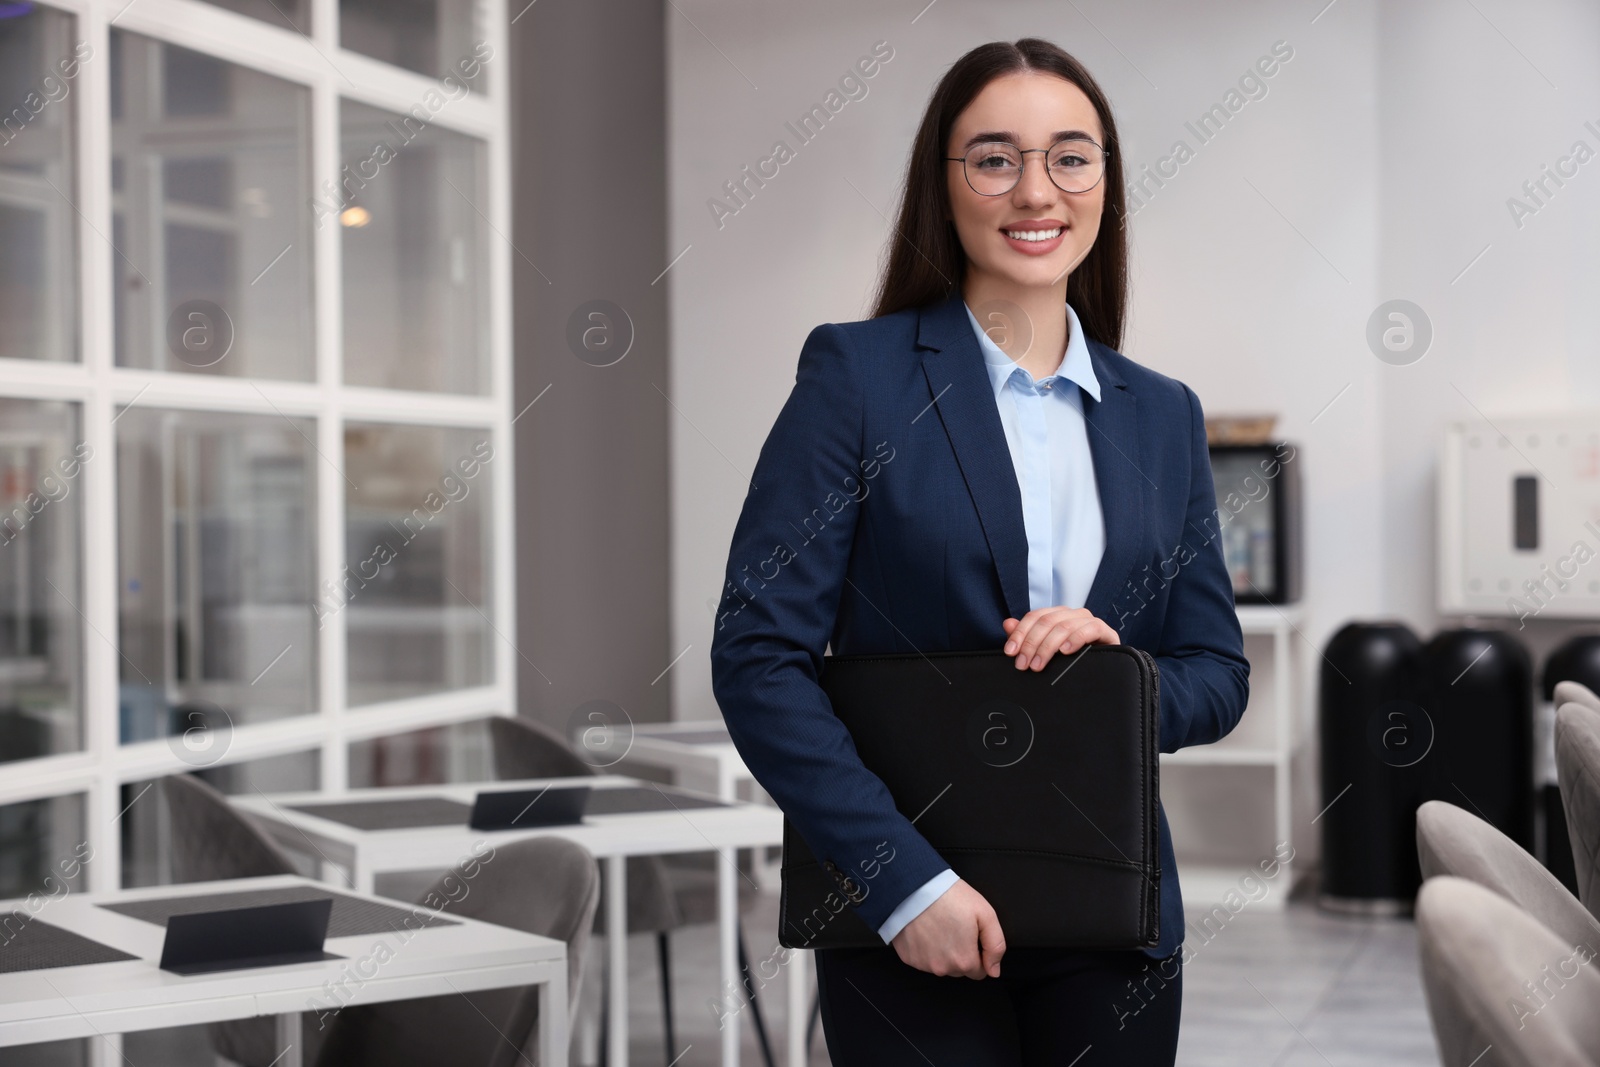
(1049, 442)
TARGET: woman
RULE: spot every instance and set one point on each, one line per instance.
(976, 467)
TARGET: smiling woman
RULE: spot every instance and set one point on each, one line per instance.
(1037, 469)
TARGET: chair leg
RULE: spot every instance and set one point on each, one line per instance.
(663, 952)
(816, 1017)
(605, 1014)
(755, 1005)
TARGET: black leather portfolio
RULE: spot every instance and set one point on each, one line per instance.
(1039, 788)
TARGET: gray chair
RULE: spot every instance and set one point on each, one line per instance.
(1453, 841)
(1503, 990)
(1576, 693)
(542, 885)
(1578, 771)
(214, 841)
(664, 893)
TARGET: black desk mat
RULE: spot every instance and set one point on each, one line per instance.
(30, 944)
(398, 814)
(349, 916)
(413, 812)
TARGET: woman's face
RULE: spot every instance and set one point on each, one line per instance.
(1031, 110)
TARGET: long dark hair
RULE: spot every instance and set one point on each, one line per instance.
(926, 262)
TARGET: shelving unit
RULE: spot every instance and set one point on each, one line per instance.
(1217, 796)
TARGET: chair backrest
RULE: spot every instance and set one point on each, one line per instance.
(1576, 693)
(1497, 979)
(541, 885)
(1452, 840)
(213, 840)
(524, 748)
(1578, 771)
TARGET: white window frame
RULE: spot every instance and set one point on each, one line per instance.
(99, 388)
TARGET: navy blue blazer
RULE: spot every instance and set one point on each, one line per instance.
(884, 515)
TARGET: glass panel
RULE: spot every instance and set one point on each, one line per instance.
(432, 37)
(39, 66)
(1248, 532)
(211, 193)
(146, 824)
(216, 556)
(415, 594)
(416, 301)
(43, 849)
(460, 752)
(285, 14)
(41, 585)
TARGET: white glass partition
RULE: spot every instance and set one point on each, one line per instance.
(220, 387)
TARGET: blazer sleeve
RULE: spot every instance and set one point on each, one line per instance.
(785, 576)
(1205, 678)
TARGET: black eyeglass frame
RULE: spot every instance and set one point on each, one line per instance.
(1105, 154)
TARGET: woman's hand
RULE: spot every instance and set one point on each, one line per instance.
(956, 934)
(1042, 633)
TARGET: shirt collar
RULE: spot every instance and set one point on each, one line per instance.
(1075, 364)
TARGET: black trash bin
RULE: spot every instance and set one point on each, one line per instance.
(1480, 685)
(1375, 739)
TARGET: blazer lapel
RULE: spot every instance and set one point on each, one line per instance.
(961, 393)
(963, 396)
(1120, 478)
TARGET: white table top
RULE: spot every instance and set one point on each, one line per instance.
(736, 824)
(70, 1002)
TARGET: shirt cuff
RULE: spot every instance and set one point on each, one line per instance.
(916, 904)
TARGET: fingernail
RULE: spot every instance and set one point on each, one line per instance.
(1011, 647)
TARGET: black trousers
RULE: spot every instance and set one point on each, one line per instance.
(1048, 1007)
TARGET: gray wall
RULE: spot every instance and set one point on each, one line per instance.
(591, 458)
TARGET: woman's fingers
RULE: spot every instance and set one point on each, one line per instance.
(1039, 635)
(1032, 629)
(1106, 636)
(991, 942)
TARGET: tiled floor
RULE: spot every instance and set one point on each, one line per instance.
(1300, 986)
(1286, 988)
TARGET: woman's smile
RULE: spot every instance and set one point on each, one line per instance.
(1035, 237)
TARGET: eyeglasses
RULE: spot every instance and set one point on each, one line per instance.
(993, 168)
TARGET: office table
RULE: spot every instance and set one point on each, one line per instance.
(434, 833)
(129, 992)
(702, 751)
